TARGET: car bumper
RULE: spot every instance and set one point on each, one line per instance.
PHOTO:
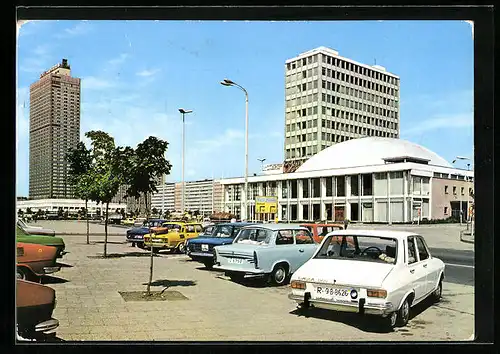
(157, 245)
(50, 270)
(47, 327)
(135, 239)
(359, 307)
(245, 272)
(200, 255)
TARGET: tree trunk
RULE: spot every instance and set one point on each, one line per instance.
(106, 232)
(87, 218)
(151, 253)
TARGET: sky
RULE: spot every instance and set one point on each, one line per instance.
(137, 74)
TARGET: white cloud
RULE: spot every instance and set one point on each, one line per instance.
(39, 61)
(94, 83)
(79, 29)
(459, 121)
(229, 136)
(147, 72)
(118, 60)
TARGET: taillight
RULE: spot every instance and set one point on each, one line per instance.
(255, 259)
(298, 284)
(376, 293)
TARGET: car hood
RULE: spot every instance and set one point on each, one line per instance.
(42, 240)
(211, 240)
(138, 230)
(39, 231)
(341, 271)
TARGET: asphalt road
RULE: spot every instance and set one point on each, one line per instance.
(459, 265)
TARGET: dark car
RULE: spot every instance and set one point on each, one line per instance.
(135, 235)
(201, 248)
(35, 304)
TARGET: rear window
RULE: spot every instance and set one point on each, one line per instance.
(254, 236)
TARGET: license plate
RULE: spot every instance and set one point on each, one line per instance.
(156, 240)
(235, 260)
(138, 237)
(331, 292)
(204, 247)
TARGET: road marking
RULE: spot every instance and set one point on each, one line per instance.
(459, 265)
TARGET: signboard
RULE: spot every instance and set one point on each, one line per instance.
(265, 205)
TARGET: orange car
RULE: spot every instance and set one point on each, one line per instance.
(321, 230)
(35, 304)
(34, 261)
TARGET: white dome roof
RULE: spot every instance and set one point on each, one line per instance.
(369, 151)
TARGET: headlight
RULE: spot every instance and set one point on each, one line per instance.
(296, 284)
(376, 293)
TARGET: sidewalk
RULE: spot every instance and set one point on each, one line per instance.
(466, 236)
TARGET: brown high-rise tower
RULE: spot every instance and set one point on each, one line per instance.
(54, 129)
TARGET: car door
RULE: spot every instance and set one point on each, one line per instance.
(417, 274)
(305, 246)
(427, 264)
(286, 249)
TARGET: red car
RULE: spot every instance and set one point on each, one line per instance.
(34, 261)
(35, 304)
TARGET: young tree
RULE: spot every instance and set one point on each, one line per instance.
(147, 164)
(103, 177)
(80, 165)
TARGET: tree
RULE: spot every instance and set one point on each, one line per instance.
(154, 211)
(66, 215)
(60, 212)
(145, 166)
(104, 180)
(122, 212)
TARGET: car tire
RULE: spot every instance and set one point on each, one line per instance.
(436, 294)
(140, 245)
(279, 275)
(24, 274)
(236, 277)
(208, 265)
(180, 247)
(403, 314)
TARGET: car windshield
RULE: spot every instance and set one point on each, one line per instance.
(152, 223)
(223, 231)
(174, 227)
(357, 247)
(254, 236)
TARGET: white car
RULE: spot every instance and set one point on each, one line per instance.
(379, 272)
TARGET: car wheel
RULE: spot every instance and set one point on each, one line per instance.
(180, 248)
(23, 274)
(391, 320)
(279, 274)
(403, 314)
(436, 295)
(208, 265)
(140, 245)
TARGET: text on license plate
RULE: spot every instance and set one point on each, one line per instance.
(235, 260)
(331, 292)
(204, 247)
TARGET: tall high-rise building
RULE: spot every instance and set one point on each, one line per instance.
(54, 130)
(330, 99)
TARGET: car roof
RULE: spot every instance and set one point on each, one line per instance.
(399, 235)
(241, 224)
(276, 227)
(321, 224)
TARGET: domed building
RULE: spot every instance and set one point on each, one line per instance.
(370, 179)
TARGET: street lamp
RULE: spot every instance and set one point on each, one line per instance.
(261, 164)
(227, 82)
(183, 112)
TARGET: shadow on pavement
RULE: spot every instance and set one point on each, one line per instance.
(121, 255)
(169, 283)
(48, 279)
(368, 323)
(364, 323)
(64, 265)
(111, 242)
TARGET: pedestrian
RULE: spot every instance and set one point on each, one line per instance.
(346, 223)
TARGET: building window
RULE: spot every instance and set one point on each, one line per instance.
(462, 190)
(305, 188)
(454, 190)
(445, 210)
(445, 189)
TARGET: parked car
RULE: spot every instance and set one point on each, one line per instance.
(136, 235)
(172, 236)
(34, 261)
(128, 221)
(139, 221)
(274, 251)
(201, 248)
(36, 230)
(57, 242)
(385, 273)
(321, 230)
(35, 304)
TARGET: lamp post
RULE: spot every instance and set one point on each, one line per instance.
(227, 82)
(183, 112)
(261, 164)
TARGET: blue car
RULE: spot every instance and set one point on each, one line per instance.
(201, 248)
(135, 235)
